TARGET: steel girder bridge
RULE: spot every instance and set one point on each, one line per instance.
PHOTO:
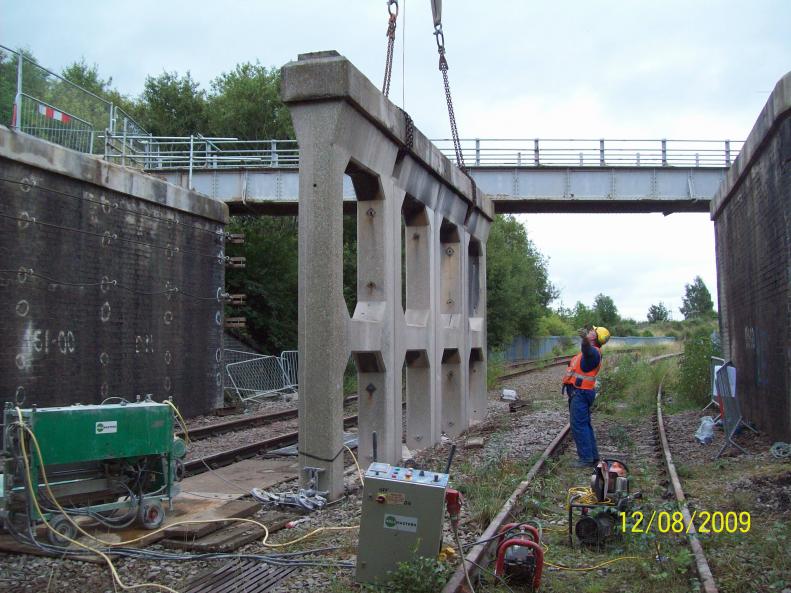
(533, 175)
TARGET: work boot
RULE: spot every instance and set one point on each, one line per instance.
(582, 463)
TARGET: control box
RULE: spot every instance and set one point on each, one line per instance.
(402, 514)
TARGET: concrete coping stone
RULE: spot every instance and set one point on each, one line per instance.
(327, 75)
(27, 149)
(777, 108)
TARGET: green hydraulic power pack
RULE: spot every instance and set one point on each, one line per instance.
(116, 463)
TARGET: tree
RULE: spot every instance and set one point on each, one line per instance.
(697, 300)
(270, 279)
(173, 105)
(8, 67)
(604, 311)
(245, 103)
(519, 290)
(658, 313)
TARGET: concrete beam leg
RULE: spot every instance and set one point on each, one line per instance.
(323, 344)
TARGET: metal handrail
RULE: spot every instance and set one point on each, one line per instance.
(199, 152)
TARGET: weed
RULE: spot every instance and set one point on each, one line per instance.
(418, 575)
(620, 437)
(495, 367)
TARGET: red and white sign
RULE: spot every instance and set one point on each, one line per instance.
(51, 113)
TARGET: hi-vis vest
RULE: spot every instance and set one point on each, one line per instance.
(578, 378)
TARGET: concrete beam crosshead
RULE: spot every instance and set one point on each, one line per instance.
(410, 200)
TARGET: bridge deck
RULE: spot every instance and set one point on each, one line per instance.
(274, 190)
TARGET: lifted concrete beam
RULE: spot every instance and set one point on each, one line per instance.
(437, 338)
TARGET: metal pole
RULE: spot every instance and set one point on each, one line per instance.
(601, 152)
(728, 153)
(664, 152)
(189, 179)
(477, 152)
(112, 127)
(17, 116)
(697, 159)
(123, 147)
(536, 160)
(638, 159)
(273, 150)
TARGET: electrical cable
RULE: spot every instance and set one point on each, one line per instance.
(494, 574)
(115, 206)
(109, 283)
(181, 420)
(359, 471)
(114, 237)
(780, 450)
(455, 529)
(594, 567)
(585, 495)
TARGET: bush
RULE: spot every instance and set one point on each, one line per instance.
(694, 376)
(647, 334)
(553, 325)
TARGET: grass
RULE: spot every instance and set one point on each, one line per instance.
(488, 484)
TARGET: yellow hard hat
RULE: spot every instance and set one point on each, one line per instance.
(602, 335)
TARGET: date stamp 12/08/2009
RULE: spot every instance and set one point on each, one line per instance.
(674, 522)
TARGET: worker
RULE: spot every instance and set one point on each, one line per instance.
(579, 385)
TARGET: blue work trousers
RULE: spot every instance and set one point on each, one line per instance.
(580, 404)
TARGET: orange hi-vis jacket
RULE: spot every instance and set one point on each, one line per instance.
(578, 378)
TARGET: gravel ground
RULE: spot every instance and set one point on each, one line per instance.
(223, 442)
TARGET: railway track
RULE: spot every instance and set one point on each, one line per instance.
(234, 454)
(253, 420)
(480, 554)
(261, 447)
(528, 366)
(229, 456)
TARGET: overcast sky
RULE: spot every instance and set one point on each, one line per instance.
(518, 69)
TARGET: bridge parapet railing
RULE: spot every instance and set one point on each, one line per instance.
(598, 152)
(199, 152)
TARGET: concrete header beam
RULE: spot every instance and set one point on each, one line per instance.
(39, 153)
(327, 75)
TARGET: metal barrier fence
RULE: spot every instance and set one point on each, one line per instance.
(289, 360)
(731, 413)
(50, 106)
(40, 119)
(257, 378)
(251, 375)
